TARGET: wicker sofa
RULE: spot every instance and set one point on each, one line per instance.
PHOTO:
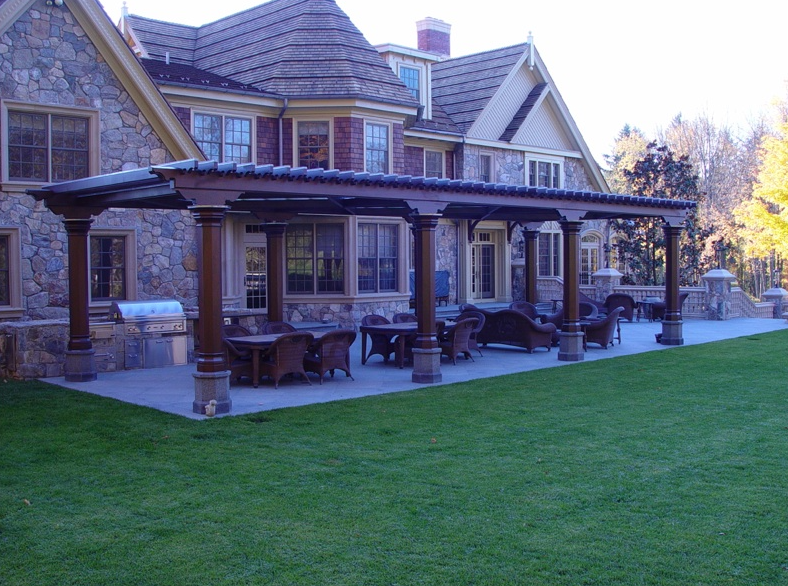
(513, 328)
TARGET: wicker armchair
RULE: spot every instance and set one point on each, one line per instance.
(329, 353)
(455, 341)
(238, 360)
(381, 343)
(583, 298)
(603, 331)
(278, 327)
(621, 300)
(528, 309)
(286, 356)
(659, 308)
(404, 318)
(472, 343)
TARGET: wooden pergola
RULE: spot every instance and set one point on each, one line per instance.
(275, 195)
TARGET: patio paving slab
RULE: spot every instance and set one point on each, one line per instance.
(171, 389)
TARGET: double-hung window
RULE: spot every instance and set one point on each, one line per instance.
(47, 146)
(544, 174)
(377, 257)
(485, 168)
(549, 246)
(315, 258)
(410, 76)
(314, 145)
(433, 164)
(376, 148)
(224, 138)
(107, 268)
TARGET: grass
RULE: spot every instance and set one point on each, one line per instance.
(665, 468)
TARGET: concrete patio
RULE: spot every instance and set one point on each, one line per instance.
(171, 389)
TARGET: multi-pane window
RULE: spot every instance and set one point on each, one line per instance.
(377, 257)
(410, 77)
(377, 148)
(313, 145)
(549, 254)
(433, 164)
(107, 268)
(485, 168)
(224, 138)
(315, 258)
(589, 257)
(255, 278)
(5, 271)
(47, 147)
(544, 174)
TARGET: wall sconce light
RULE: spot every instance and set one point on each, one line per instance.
(54, 2)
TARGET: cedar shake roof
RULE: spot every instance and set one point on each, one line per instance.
(291, 48)
(185, 75)
(523, 112)
(464, 86)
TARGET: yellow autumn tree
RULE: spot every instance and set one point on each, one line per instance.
(764, 218)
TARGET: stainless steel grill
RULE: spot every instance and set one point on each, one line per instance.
(155, 332)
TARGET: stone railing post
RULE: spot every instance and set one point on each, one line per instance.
(718, 294)
(605, 281)
(776, 295)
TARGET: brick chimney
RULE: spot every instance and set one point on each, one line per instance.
(434, 36)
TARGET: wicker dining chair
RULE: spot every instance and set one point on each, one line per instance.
(238, 360)
(278, 327)
(455, 341)
(286, 356)
(381, 343)
(404, 318)
(472, 343)
(331, 352)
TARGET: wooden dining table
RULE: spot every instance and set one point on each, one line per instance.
(401, 330)
(258, 344)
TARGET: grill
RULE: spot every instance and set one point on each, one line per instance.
(154, 332)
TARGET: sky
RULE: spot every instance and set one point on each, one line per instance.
(614, 62)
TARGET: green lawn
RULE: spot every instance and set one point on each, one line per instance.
(667, 468)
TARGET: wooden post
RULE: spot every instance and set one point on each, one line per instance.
(275, 269)
(672, 323)
(571, 348)
(212, 377)
(531, 238)
(426, 354)
(80, 364)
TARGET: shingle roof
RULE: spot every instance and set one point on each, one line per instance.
(464, 86)
(175, 73)
(523, 112)
(292, 48)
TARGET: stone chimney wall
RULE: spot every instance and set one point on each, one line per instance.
(434, 36)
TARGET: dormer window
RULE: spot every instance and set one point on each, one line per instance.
(410, 77)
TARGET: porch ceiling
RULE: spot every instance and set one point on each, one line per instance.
(281, 193)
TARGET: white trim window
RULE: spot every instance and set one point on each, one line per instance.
(377, 140)
(433, 164)
(549, 254)
(590, 253)
(544, 174)
(313, 144)
(378, 254)
(486, 168)
(411, 77)
(223, 138)
(315, 258)
(48, 144)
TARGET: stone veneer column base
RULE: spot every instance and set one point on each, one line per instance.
(672, 333)
(427, 365)
(80, 366)
(212, 385)
(571, 348)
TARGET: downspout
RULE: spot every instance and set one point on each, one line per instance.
(459, 223)
(281, 134)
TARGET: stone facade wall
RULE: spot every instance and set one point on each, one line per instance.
(575, 176)
(347, 315)
(446, 244)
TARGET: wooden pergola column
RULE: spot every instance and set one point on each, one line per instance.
(426, 353)
(80, 362)
(275, 269)
(212, 379)
(531, 238)
(571, 349)
(672, 323)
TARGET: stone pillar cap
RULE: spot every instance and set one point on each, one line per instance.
(775, 292)
(719, 275)
(608, 272)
